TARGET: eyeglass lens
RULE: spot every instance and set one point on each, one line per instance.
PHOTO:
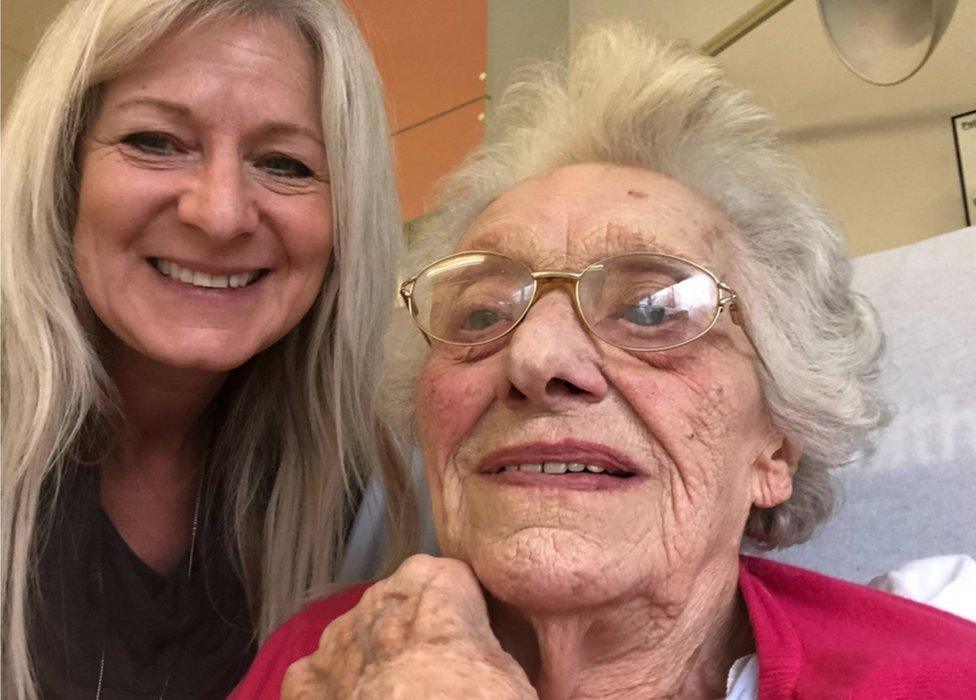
(641, 301)
(647, 301)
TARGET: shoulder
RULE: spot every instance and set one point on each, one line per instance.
(295, 639)
(826, 633)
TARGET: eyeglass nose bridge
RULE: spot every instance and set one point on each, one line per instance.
(541, 277)
(557, 275)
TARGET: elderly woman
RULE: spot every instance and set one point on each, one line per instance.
(643, 351)
(199, 234)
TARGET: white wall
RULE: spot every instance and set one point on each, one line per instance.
(519, 32)
(23, 24)
(882, 159)
(694, 20)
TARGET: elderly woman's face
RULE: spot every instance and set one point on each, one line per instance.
(686, 426)
(204, 223)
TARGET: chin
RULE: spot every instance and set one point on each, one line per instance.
(540, 574)
(208, 364)
(205, 354)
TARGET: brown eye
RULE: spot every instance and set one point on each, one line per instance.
(152, 143)
(285, 166)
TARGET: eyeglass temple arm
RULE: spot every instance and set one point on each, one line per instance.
(731, 302)
(406, 293)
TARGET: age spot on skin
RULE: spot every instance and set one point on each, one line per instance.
(637, 194)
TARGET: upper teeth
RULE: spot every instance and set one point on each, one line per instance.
(202, 279)
(553, 467)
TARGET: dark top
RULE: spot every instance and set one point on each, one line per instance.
(177, 636)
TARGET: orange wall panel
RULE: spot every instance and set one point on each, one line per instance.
(431, 53)
(429, 151)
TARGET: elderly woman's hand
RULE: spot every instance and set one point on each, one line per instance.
(422, 633)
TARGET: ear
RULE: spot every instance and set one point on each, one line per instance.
(773, 470)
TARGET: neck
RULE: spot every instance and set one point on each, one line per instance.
(638, 648)
(151, 475)
(160, 405)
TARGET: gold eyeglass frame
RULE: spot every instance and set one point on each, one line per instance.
(727, 302)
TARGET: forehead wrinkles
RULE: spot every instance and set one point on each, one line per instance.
(525, 238)
(601, 236)
(577, 239)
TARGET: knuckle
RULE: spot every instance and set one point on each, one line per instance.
(418, 567)
(388, 635)
(457, 577)
(457, 569)
(373, 595)
(425, 568)
(297, 680)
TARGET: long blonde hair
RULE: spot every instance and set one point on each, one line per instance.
(295, 427)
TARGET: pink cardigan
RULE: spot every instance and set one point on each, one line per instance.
(816, 637)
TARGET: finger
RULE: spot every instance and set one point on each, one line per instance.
(454, 596)
(426, 597)
(303, 681)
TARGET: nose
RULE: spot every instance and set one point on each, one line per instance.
(218, 199)
(552, 362)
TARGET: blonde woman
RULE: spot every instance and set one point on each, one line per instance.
(199, 232)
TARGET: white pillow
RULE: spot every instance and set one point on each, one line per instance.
(917, 497)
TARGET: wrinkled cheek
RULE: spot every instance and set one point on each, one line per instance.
(450, 400)
(690, 434)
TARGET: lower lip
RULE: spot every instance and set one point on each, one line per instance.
(213, 294)
(570, 481)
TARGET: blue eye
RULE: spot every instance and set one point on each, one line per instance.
(480, 319)
(644, 313)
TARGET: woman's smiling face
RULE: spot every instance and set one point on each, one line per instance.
(204, 224)
(685, 429)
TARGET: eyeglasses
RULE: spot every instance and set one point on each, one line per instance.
(641, 302)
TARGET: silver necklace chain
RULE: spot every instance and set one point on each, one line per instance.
(189, 572)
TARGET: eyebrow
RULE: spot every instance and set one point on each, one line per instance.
(289, 129)
(182, 111)
(174, 108)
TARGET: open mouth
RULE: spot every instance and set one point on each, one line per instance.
(577, 465)
(558, 468)
(203, 279)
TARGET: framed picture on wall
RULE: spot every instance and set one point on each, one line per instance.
(964, 133)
